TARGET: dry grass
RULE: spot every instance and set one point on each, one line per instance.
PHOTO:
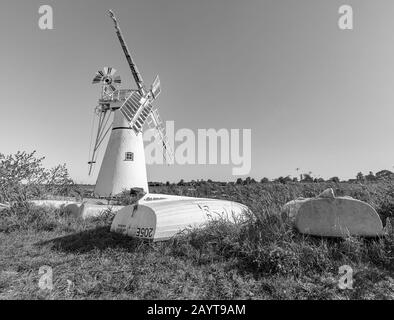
(261, 259)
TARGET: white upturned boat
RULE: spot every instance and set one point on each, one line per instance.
(160, 217)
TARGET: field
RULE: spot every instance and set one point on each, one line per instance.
(263, 258)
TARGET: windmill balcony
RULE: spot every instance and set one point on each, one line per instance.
(116, 96)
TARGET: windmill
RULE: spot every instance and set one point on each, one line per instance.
(123, 166)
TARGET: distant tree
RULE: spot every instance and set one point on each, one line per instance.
(370, 176)
(283, 180)
(287, 179)
(280, 179)
(239, 181)
(264, 180)
(155, 184)
(295, 179)
(181, 183)
(384, 174)
(334, 179)
(306, 177)
(168, 183)
(360, 176)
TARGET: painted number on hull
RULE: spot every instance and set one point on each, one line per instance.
(120, 228)
(144, 233)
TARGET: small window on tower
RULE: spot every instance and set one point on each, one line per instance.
(129, 156)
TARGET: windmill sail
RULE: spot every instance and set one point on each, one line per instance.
(131, 106)
(134, 70)
(155, 123)
(98, 78)
(109, 71)
(156, 88)
(137, 108)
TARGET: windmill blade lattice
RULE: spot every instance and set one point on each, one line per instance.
(136, 110)
(137, 107)
(154, 122)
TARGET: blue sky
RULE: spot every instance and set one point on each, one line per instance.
(315, 97)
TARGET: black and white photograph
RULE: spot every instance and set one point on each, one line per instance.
(218, 153)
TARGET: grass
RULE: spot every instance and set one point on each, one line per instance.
(263, 258)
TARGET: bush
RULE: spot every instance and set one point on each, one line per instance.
(23, 178)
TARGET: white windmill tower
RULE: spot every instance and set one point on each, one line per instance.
(123, 166)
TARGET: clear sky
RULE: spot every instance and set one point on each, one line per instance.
(315, 97)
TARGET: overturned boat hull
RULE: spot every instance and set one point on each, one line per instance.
(330, 216)
(339, 217)
(160, 217)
